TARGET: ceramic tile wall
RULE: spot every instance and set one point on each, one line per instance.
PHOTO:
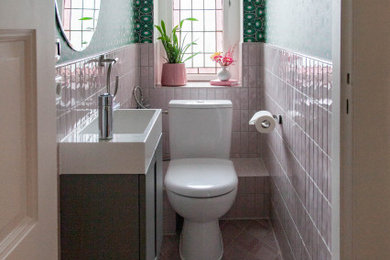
(298, 154)
(84, 81)
(253, 194)
(246, 99)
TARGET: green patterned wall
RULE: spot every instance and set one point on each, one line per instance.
(287, 23)
(254, 21)
(114, 29)
(143, 21)
(301, 25)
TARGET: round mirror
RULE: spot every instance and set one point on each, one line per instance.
(77, 20)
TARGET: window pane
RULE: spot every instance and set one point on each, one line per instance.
(210, 45)
(198, 38)
(209, 20)
(89, 4)
(209, 62)
(199, 60)
(197, 4)
(198, 25)
(86, 37)
(188, 62)
(209, 4)
(77, 4)
(88, 24)
(75, 20)
(75, 37)
(187, 38)
(185, 4)
(206, 32)
(187, 24)
(176, 18)
(219, 41)
(176, 4)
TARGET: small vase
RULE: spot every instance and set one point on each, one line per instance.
(224, 74)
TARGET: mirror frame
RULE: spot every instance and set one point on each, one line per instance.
(59, 23)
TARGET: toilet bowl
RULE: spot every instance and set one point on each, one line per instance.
(201, 182)
(201, 190)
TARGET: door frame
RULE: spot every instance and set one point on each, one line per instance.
(361, 52)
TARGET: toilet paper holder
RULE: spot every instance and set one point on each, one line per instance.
(278, 118)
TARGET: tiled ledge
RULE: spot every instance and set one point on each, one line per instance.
(250, 167)
(199, 84)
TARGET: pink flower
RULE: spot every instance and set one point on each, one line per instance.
(224, 60)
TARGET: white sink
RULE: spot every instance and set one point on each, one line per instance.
(136, 134)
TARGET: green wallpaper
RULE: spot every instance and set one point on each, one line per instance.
(114, 29)
(143, 20)
(254, 21)
(301, 25)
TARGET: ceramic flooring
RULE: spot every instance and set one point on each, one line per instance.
(242, 239)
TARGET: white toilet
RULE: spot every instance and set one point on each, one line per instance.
(201, 182)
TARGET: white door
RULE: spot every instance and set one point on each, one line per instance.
(28, 166)
(365, 130)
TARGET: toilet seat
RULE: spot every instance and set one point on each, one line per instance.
(201, 177)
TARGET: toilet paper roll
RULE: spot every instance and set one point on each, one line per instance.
(264, 121)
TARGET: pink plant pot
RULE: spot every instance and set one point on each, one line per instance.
(173, 74)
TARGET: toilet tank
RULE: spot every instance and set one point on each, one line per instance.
(200, 128)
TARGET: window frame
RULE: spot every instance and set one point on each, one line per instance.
(232, 35)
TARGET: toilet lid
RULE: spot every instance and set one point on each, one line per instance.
(201, 177)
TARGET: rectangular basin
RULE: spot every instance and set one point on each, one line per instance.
(136, 134)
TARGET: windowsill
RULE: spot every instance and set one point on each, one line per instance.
(199, 84)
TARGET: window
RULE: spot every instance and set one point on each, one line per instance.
(79, 21)
(217, 29)
(207, 32)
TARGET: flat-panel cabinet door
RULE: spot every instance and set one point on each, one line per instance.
(148, 215)
(159, 199)
(151, 207)
(99, 216)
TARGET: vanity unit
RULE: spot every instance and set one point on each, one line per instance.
(111, 191)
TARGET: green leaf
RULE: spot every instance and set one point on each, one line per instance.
(190, 57)
(174, 48)
(187, 19)
(85, 18)
(163, 28)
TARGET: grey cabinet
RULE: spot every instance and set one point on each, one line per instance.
(112, 216)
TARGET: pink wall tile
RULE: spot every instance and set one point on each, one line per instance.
(297, 154)
(84, 80)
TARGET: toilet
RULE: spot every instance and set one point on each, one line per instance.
(201, 182)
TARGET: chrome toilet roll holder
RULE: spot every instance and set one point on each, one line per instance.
(278, 118)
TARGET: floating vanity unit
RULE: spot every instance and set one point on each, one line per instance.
(111, 191)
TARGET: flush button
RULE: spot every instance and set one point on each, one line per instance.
(200, 101)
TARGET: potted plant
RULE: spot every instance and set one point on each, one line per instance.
(174, 70)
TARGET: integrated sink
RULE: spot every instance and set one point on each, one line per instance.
(136, 134)
(126, 121)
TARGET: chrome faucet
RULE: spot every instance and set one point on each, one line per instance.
(105, 116)
(105, 101)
